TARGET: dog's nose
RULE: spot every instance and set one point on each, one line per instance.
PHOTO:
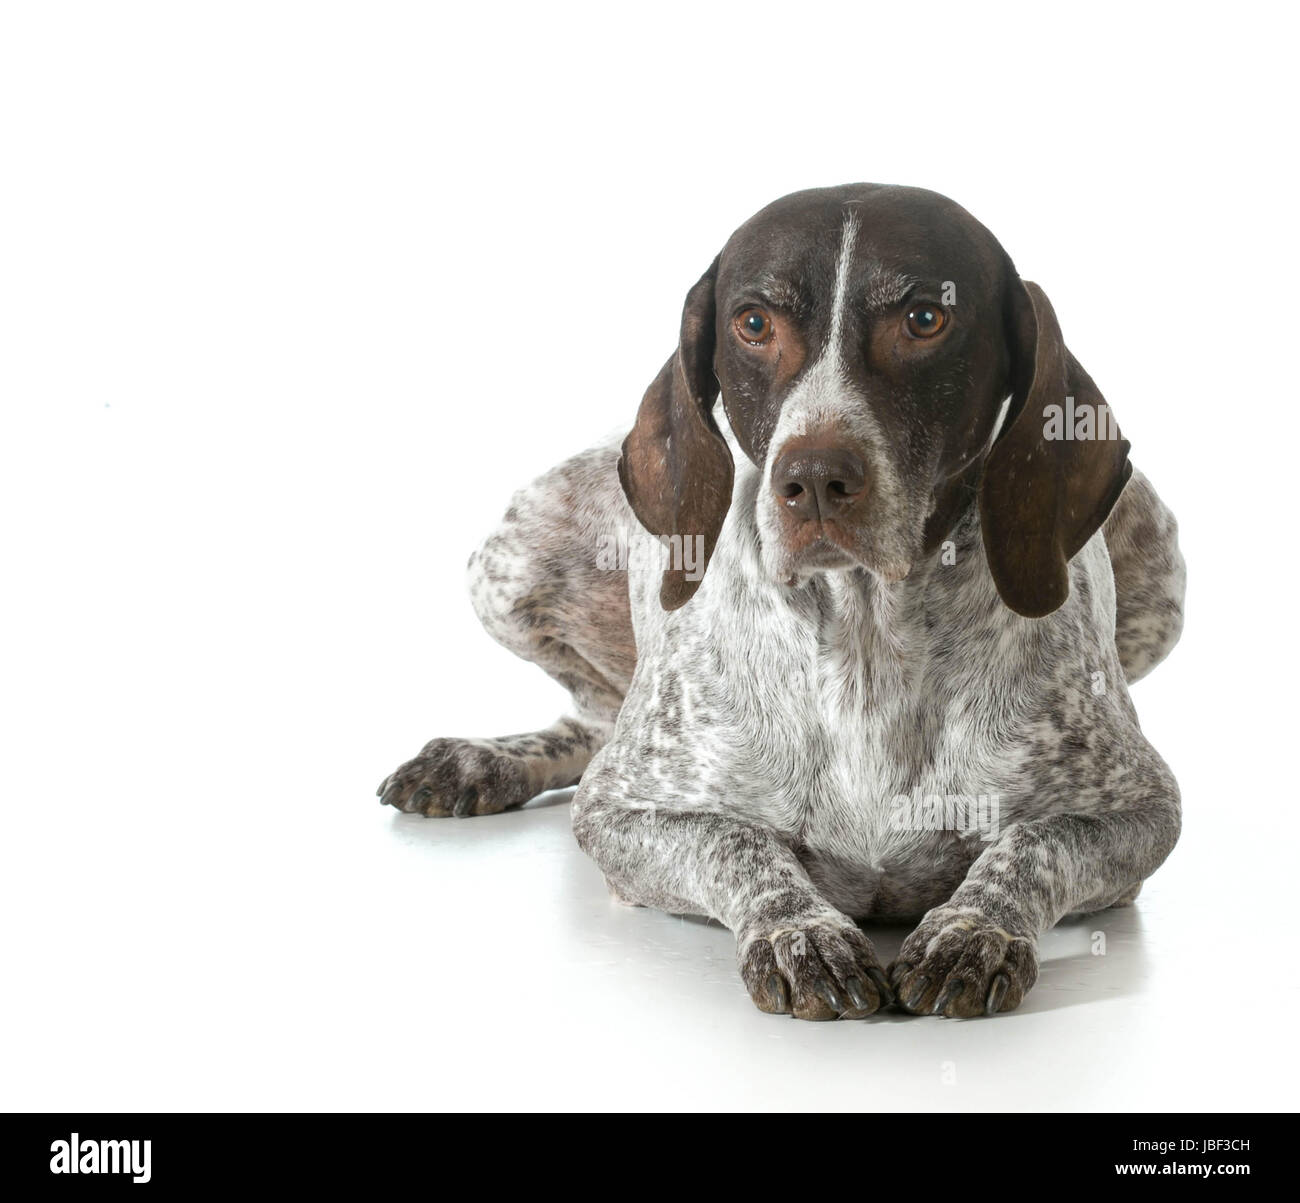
(818, 483)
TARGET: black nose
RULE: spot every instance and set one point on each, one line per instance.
(818, 482)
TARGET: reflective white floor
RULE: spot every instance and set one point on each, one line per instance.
(636, 1008)
(350, 957)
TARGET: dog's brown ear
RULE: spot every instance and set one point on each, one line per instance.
(1057, 468)
(676, 468)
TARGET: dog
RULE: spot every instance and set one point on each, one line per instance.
(912, 568)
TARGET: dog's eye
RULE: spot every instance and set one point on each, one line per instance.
(925, 321)
(754, 326)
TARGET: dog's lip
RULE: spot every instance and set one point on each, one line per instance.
(822, 552)
(828, 545)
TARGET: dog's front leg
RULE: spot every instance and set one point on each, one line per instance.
(977, 953)
(797, 953)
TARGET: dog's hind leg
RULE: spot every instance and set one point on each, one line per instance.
(1150, 578)
(543, 589)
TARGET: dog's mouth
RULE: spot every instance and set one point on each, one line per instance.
(829, 546)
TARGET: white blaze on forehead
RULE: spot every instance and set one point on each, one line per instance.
(819, 397)
(847, 238)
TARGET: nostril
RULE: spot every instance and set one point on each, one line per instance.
(818, 482)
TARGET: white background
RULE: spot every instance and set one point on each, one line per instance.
(292, 297)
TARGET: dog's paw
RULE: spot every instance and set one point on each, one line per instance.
(959, 963)
(818, 969)
(458, 777)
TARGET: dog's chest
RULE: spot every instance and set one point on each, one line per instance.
(878, 756)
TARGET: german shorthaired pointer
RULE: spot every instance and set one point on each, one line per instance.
(900, 688)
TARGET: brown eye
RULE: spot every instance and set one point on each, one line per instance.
(754, 326)
(925, 321)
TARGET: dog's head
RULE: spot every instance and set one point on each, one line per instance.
(865, 341)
